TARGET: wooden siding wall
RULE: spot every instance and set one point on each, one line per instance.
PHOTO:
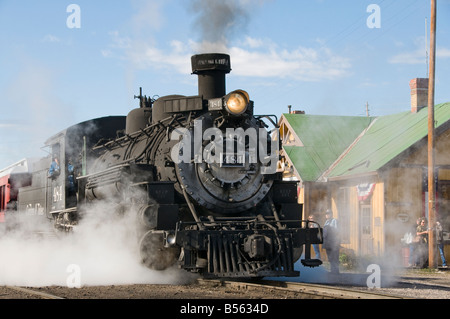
(442, 154)
(395, 204)
(444, 174)
(347, 209)
(316, 200)
(378, 220)
(404, 204)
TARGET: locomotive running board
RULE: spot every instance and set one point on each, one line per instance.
(67, 210)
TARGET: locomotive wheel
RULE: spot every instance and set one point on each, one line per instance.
(297, 253)
(153, 253)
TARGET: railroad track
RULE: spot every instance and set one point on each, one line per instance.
(33, 293)
(227, 288)
(306, 290)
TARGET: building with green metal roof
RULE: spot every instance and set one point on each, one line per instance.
(321, 140)
(371, 172)
(385, 139)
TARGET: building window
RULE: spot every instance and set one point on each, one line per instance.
(366, 230)
(366, 220)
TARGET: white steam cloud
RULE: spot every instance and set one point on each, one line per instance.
(32, 112)
(103, 247)
(102, 250)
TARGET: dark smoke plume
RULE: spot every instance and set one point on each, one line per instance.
(217, 21)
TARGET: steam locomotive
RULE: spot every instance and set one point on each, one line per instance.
(198, 172)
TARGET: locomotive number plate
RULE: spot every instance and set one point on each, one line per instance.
(232, 160)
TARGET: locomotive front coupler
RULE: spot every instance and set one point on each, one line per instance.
(314, 237)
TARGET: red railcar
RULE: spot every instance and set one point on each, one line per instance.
(11, 179)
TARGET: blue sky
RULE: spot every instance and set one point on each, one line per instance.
(319, 56)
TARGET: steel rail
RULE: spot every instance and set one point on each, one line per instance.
(312, 291)
(43, 295)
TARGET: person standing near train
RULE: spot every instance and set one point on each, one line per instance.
(53, 171)
(440, 242)
(422, 234)
(331, 241)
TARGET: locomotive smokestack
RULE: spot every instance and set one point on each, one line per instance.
(211, 69)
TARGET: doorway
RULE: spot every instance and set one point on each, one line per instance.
(366, 229)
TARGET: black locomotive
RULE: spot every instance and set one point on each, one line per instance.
(199, 173)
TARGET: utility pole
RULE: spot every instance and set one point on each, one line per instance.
(426, 46)
(367, 109)
(432, 255)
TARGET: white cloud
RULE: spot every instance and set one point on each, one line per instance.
(443, 53)
(414, 57)
(301, 64)
(261, 58)
(251, 57)
(106, 53)
(254, 43)
(51, 38)
(418, 55)
(148, 15)
(7, 125)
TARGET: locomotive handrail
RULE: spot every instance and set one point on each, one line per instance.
(137, 134)
(106, 171)
(243, 220)
(66, 210)
(267, 116)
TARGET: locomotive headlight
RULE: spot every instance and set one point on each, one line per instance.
(170, 239)
(236, 102)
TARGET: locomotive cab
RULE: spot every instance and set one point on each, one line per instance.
(53, 191)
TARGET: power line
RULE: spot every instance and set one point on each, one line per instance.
(385, 30)
(357, 24)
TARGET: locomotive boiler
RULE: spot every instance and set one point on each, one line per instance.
(199, 174)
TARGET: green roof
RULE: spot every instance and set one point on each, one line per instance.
(386, 138)
(324, 139)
